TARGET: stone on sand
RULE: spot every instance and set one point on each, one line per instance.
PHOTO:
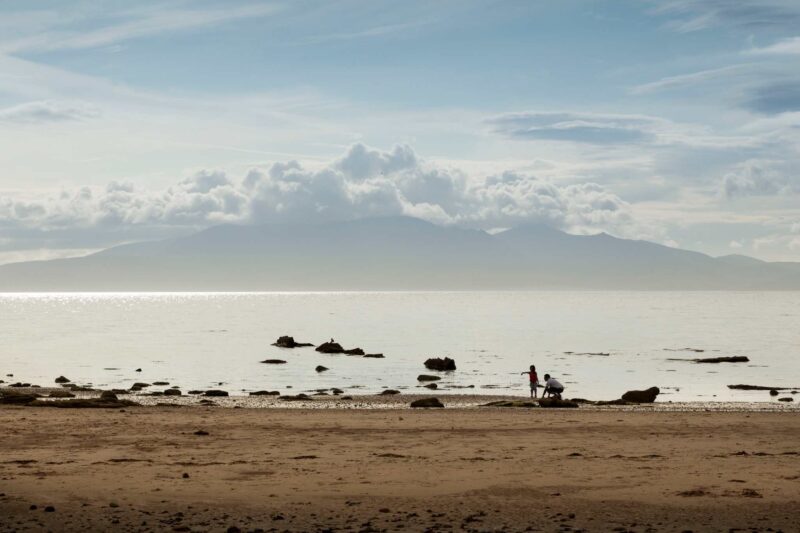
(641, 396)
(427, 402)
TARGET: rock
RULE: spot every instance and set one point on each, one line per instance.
(336, 391)
(346, 398)
(215, 393)
(138, 370)
(8, 396)
(161, 383)
(757, 387)
(511, 403)
(172, 392)
(612, 402)
(642, 396)
(734, 359)
(389, 392)
(139, 386)
(49, 509)
(297, 398)
(195, 392)
(556, 403)
(786, 399)
(62, 379)
(427, 402)
(773, 392)
(427, 377)
(437, 363)
(330, 347)
(286, 341)
(274, 361)
(265, 393)
(201, 433)
(432, 386)
(108, 396)
(354, 351)
(374, 356)
(61, 394)
(321, 368)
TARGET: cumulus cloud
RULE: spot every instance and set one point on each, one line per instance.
(757, 177)
(363, 182)
(46, 111)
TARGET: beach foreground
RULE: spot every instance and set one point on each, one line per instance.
(480, 469)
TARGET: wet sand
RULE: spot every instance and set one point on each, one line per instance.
(478, 469)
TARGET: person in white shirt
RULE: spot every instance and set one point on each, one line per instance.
(552, 387)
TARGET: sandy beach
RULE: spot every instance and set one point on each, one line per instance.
(470, 469)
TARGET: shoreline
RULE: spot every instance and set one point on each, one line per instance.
(195, 469)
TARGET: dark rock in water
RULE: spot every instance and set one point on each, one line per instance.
(321, 368)
(642, 396)
(556, 403)
(757, 387)
(427, 377)
(139, 386)
(786, 399)
(13, 397)
(389, 392)
(20, 385)
(427, 402)
(172, 392)
(298, 398)
(612, 402)
(354, 351)
(138, 369)
(289, 342)
(215, 393)
(433, 386)
(773, 392)
(62, 379)
(336, 391)
(346, 398)
(511, 403)
(274, 361)
(734, 359)
(330, 347)
(374, 356)
(108, 396)
(61, 394)
(161, 383)
(195, 392)
(265, 393)
(437, 363)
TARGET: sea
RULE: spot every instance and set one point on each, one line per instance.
(599, 344)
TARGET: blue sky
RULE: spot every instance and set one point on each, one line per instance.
(674, 121)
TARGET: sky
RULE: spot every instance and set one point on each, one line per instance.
(675, 121)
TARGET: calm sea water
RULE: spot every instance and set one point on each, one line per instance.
(201, 340)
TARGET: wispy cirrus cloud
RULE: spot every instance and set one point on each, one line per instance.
(694, 15)
(693, 79)
(46, 111)
(790, 46)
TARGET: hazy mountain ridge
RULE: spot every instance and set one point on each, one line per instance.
(394, 253)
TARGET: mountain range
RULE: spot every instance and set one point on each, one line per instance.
(394, 253)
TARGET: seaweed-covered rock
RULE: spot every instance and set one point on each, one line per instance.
(108, 396)
(437, 363)
(216, 393)
(389, 392)
(9, 396)
(432, 386)
(321, 368)
(265, 393)
(61, 394)
(274, 361)
(786, 399)
(373, 356)
(84, 403)
(642, 396)
(556, 403)
(354, 351)
(330, 347)
(172, 392)
(297, 398)
(427, 403)
(161, 383)
(286, 341)
(62, 379)
(427, 377)
(773, 392)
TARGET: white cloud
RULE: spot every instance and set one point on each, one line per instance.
(757, 177)
(46, 111)
(790, 46)
(364, 182)
(691, 79)
(736, 245)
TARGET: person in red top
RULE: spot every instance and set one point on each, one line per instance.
(534, 377)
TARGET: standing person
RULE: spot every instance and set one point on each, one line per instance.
(552, 387)
(534, 377)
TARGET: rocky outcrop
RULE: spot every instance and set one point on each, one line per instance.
(641, 396)
(733, 359)
(442, 365)
(9, 396)
(286, 341)
(557, 404)
(427, 403)
(330, 347)
(427, 377)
